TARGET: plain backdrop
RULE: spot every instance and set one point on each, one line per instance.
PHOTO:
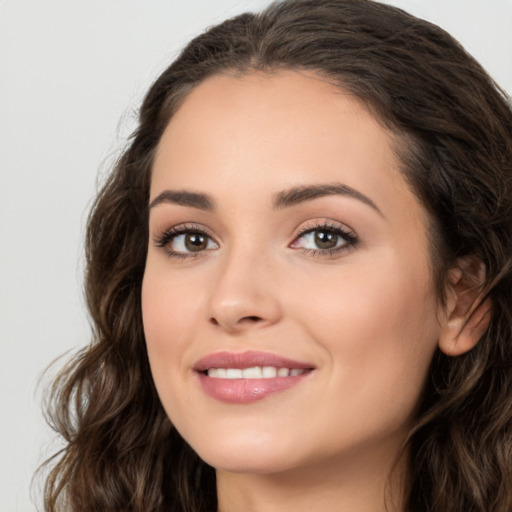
(72, 74)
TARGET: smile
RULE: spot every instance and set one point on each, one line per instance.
(255, 372)
(241, 378)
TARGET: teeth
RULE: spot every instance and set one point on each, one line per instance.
(252, 373)
(255, 372)
(269, 372)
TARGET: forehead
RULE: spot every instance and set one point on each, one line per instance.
(264, 131)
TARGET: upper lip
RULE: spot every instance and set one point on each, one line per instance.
(248, 359)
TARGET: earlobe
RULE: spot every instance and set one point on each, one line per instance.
(467, 313)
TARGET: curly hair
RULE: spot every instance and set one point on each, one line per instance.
(455, 128)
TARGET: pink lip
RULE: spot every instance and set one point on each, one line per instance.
(242, 391)
(246, 360)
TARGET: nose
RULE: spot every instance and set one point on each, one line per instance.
(245, 294)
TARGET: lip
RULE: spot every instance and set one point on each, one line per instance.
(243, 391)
(247, 360)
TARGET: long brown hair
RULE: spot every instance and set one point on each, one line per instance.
(455, 127)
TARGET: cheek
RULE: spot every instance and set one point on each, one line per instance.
(169, 308)
(169, 315)
(378, 329)
(386, 300)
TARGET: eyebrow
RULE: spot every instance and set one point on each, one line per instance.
(284, 199)
(296, 195)
(184, 198)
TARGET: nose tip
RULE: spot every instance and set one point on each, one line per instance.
(242, 304)
(235, 317)
(236, 323)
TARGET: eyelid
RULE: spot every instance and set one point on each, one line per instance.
(323, 223)
(164, 237)
(348, 234)
(178, 229)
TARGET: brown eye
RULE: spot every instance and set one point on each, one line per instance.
(187, 242)
(196, 242)
(326, 239)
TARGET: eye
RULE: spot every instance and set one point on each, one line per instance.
(185, 241)
(321, 240)
(191, 242)
(326, 239)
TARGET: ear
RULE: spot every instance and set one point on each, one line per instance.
(467, 315)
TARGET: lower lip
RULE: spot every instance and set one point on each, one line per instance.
(243, 391)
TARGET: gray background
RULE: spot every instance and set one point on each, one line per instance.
(71, 76)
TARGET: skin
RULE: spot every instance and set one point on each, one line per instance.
(367, 318)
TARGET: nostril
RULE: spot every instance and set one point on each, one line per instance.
(250, 319)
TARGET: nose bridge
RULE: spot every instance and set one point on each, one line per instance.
(244, 295)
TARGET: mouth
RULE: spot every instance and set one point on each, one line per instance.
(254, 372)
(249, 376)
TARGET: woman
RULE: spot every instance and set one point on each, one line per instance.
(299, 277)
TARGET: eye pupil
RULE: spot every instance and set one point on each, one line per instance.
(326, 239)
(195, 242)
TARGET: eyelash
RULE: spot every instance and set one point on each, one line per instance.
(163, 240)
(351, 240)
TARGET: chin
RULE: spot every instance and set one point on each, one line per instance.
(254, 453)
(237, 463)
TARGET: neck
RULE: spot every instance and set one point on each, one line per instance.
(334, 486)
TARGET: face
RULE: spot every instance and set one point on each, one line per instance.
(288, 301)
